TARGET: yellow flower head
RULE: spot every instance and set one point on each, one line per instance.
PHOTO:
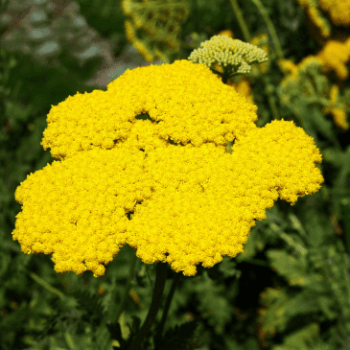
(321, 22)
(184, 200)
(316, 16)
(339, 11)
(340, 118)
(288, 66)
(227, 32)
(261, 40)
(334, 57)
(130, 32)
(337, 108)
(334, 94)
(243, 87)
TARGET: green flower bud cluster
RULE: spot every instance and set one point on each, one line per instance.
(52, 34)
(153, 26)
(234, 55)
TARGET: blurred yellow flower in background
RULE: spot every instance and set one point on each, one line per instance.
(339, 11)
(262, 41)
(227, 32)
(288, 66)
(337, 108)
(334, 57)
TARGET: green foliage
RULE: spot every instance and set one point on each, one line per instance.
(289, 289)
(106, 17)
(179, 338)
(315, 87)
(306, 338)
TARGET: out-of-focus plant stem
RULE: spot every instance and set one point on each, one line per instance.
(271, 28)
(161, 272)
(240, 20)
(39, 280)
(247, 37)
(127, 287)
(167, 305)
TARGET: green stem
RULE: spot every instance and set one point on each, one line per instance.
(346, 212)
(46, 285)
(216, 72)
(271, 28)
(65, 283)
(127, 288)
(272, 105)
(240, 20)
(247, 38)
(310, 88)
(228, 73)
(69, 341)
(229, 147)
(161, 272)
(297, 115)
(149, 277)
(166, 307)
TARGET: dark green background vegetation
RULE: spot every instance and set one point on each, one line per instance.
(290, 288)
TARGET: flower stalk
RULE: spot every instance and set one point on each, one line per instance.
(127, 288)
(166, 308)
(247, 37)
(271, 28)
(47, 286)
(161, 272)
(240, 20)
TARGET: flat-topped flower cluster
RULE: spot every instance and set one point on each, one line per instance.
(190, 201)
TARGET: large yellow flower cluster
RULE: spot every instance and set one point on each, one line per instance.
(188, 201)
(187, 103)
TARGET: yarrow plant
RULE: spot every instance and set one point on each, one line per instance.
(309, 73)
(147, 163)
